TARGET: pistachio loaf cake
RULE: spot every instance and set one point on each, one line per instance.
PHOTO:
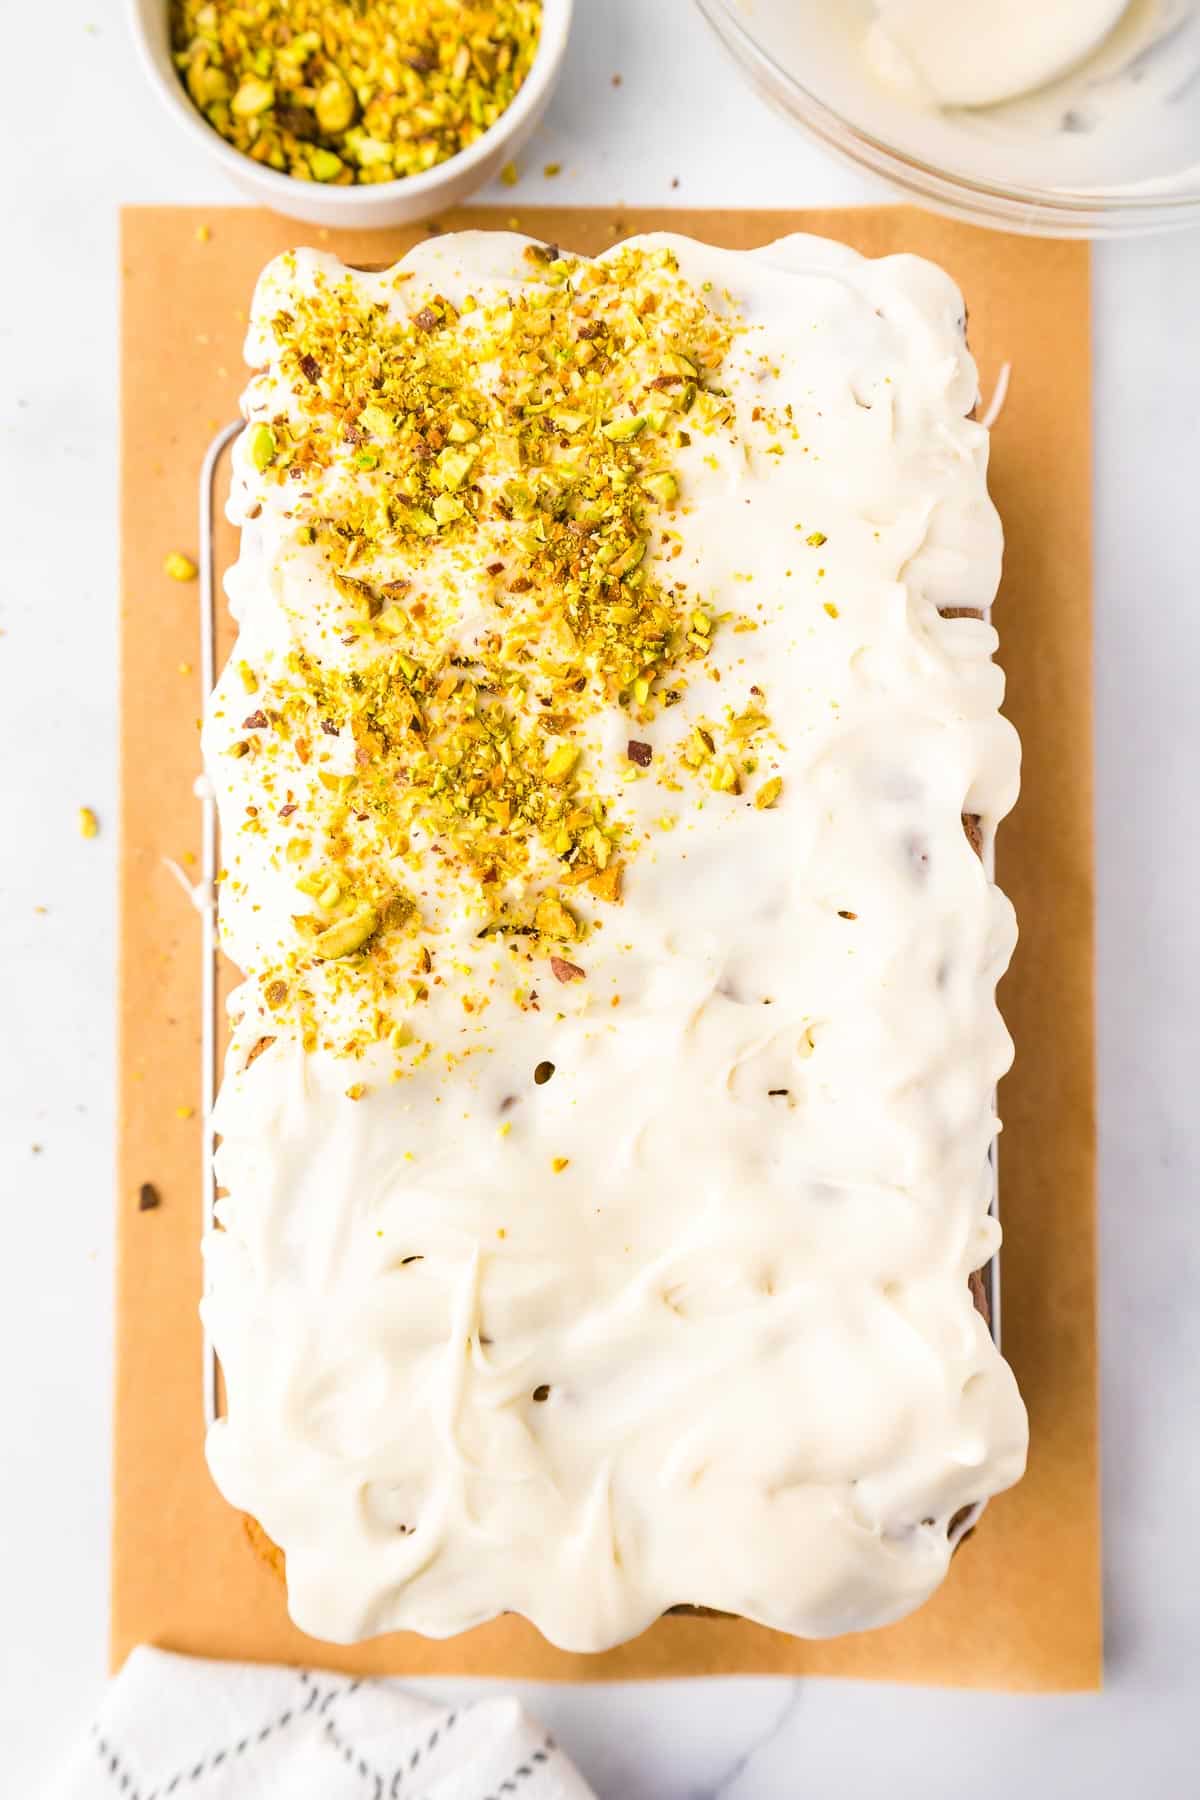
(604, 1137)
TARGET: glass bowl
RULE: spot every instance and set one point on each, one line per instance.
(1110, 150)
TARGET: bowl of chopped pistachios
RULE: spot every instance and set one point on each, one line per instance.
(356, 112)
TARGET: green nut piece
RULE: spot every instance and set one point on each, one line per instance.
(371, 152)
(253, 97)
(379, 423)
(622, 430)
(662, 486)
(454, 466)
(336, 106)
(325, 165)
(561, 762)
(262, 445)
(446, 509)
(179, 567)
(347, 935)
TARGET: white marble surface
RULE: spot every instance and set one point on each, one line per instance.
(81, 136)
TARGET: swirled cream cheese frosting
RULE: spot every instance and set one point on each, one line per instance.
(605, 1130)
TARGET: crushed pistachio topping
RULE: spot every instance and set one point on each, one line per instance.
(490, 489)
(346, 91)
(89, 824)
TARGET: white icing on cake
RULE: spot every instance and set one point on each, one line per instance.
(746, 1289)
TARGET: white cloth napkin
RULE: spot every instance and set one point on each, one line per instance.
(179, 1728)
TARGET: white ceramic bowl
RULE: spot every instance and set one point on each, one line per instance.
(379, 203)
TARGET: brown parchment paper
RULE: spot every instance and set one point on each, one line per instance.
(1021, 1607)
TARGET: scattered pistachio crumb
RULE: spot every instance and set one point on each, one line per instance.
(356, 1090)
(559, 1163)
(769, 793)
(510, 174)
(203, 234)
(185, 1112)
(565, 482)
(89, 824)
(551, 170)
(179, 567)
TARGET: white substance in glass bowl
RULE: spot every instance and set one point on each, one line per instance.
(975, 53)
(1101, 146)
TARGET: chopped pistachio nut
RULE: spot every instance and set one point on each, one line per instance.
(341, 92)
(325, 165)
(262, 446)
(179, 567)
(662, 486)
(561, 762)
(347, 935)
(89, 824)
(253, 97)
(622, 431)
(769, 793)
(552, 918)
